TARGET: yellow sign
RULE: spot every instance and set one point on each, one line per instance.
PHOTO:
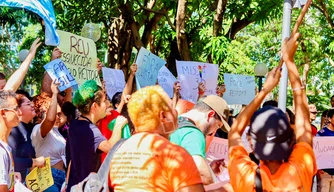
(79, 56)
(39, 179)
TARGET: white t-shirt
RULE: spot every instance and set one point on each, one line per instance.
(52, 145)
(6, 173)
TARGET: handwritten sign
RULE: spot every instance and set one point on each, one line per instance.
(114, 80)
(323, 148)
(80, 57)
(191, 73)
(39, 179)
(240, 89)
(148, 68)
(166, 80)
(58, 70)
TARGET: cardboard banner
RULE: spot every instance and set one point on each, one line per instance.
(80, 57)
(58, 70)
(114, 80)
(191, 73)
(148, 68)
(240, 89)
(39, 179)
(323, 148)
(166, 80)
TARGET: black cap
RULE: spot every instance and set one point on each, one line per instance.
(271, 134)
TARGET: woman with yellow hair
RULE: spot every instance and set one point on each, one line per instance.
(147, 161)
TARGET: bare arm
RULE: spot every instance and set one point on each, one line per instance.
(51, 114)
(68, 96)
(176, 93)
(203, 169)
(243, 119)
(303, 128)
(17, 77)
(3, 188)
(201, 90)
(128, 87)
(192, 188)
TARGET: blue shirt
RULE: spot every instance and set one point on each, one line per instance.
(326, 132)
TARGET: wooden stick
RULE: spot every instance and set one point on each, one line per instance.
(297, 25)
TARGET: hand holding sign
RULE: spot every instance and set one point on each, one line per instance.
(56, 54)
(133, 69)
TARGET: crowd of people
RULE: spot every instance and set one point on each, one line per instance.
(164, 140)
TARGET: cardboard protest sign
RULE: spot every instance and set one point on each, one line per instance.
(323, 148)
(58, 70)
(114, 80)
(148, 68)
(240, 89)
(39, 179)
(79, 56)
(166, 80)
(191, 73)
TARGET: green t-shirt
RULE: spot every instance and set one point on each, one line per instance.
(189, 137)
(126, 134)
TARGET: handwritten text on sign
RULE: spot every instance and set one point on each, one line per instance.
(323, 148)
(148, 67)
(240, 89)
(80, 57)
(191, 73)
(39, 179)
(114, 80)
(58, 70)
(166, 80)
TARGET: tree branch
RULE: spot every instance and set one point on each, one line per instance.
(324, 11)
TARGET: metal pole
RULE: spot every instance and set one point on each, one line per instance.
(259, 84)
(285, 33)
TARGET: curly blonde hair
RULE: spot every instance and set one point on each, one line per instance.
(144, 108)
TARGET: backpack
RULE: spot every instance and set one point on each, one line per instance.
(98, 182)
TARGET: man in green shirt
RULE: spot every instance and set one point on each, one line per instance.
(204, 119)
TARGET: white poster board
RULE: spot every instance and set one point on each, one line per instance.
(191, 73)
(114, 80)
(323, 148)
(166, 80)
(240, 89)
(148, 68)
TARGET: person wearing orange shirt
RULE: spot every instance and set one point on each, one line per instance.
(284, 165)
(148, 161)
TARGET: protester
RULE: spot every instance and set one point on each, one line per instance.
(17, 77)
(86, 143)
(313, 115)
(10, 114)
(46, 139)
(326, 175)
(147, 161)
(324, 115)
(19, 139)
(204, 119)
(283, 166)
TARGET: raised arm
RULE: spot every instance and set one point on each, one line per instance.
(128, 87)
(303, 128)
(176, 93)
(243, 119)
(51, 114)
(201, 90)
(17, 77)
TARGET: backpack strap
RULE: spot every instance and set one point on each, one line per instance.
(104, 169)
(258, 180)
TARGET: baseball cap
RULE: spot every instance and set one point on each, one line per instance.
(219, 105)
(312, 108)
(271, 134)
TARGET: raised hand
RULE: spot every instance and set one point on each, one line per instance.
(176, 87)
(56, 54)
(133, 69)
(35, 45)
(201, 88)
(289, 48)
(272, 79)
(54, 87)
(120, 122)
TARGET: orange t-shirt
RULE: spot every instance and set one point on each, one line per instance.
(294, 175)
(149, 162)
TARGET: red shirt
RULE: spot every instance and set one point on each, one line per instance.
(314, 130)
(103, 126)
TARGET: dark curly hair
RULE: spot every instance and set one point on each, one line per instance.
(42, 104)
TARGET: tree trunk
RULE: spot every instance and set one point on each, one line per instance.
(115, 34)
(306, 65)
(181, 37)
(173, 56)
(218, 18)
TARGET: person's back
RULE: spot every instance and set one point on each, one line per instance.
(149, 162)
